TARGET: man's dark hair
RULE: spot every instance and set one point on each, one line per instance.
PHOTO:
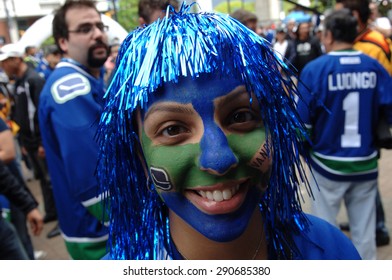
(28, 49)
(51, 49)
(147, 7)
(243, 16)
(361, 6)
(343, 26)
(59, 24)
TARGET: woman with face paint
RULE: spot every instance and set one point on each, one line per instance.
(200, 148)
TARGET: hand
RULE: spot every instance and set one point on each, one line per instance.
(36, 221)
(3, 104)
(23, 150)
(41, 152)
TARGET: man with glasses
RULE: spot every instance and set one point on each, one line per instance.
(70, 107)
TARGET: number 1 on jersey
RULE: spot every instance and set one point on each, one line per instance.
(351, 138)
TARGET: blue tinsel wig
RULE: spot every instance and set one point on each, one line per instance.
(188, 44)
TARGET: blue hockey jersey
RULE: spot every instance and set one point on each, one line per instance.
(344, 94)
(69, 111)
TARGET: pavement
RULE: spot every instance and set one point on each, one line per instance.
(54, 248)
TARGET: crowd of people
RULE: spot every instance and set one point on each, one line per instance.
(189, 139)
(302, 42)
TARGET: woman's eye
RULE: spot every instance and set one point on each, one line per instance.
(174, 130)
(243, 120)
(241, 117)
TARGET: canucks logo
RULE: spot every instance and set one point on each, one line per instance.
(160, 178)
(69, 87)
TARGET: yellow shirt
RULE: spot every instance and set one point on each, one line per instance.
(375, 45)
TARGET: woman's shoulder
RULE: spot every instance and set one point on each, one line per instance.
(323, 241)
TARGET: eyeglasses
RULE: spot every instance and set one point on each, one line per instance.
(89, 27)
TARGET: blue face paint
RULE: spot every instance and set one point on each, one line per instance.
(220, 228)
(216, 162)
(216, 154)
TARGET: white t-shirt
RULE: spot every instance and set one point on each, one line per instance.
(383, 22)
(280, 48)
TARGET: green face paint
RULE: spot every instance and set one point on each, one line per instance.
(181, 162)
(204, 144)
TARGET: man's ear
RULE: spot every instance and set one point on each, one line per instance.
(63, 44)
(328, 38)
(142, 21)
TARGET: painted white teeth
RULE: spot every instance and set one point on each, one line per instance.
(218, 195)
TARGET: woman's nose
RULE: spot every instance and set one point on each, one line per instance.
(216, 154)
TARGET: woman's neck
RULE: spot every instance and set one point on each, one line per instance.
(192, 245)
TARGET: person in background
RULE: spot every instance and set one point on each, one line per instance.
(52, 56)
(192, 152)
(27, 88)
(111, 62)
(341, 112)
(30, 57)
(8, 157)
(11, 247)
(319, 33)
(374, 44)
(69, 109)
(370, 42)
(304, 48)
(150, 10)
(281, 43)
(291, 27)
(379, 23)
(247, 18)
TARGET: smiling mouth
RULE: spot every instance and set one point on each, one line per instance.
(221, 198)
(219, 195)
(221, 192)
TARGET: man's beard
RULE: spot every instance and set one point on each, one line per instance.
(94, 62)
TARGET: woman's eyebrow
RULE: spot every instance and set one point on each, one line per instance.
(233, 95)
(170, 108)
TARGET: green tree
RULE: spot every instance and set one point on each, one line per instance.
(384, 7)
(127, 14)
(230, 6)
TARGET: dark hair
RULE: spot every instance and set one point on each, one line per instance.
(281, 29)
(298, 25)
(51, 49)
(59, 24)
(361, 6)
(147, 7)
(343, 25)
(28, 49)
(243, 16)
